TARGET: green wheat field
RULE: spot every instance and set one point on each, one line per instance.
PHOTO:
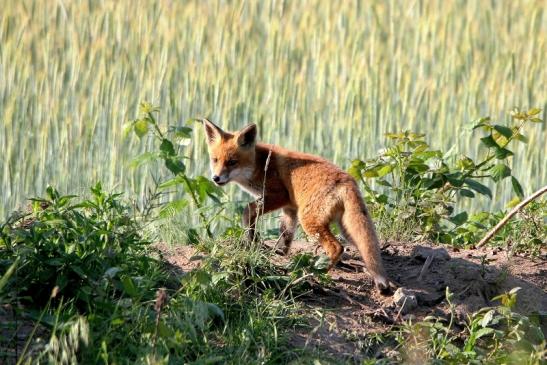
(325, 77)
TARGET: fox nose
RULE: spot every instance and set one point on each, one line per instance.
(216, 178)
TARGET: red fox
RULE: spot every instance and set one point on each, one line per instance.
(309, 189)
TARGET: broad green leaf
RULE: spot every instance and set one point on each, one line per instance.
(455, 179)
(517, 188)
(141, 127)
(167, 147)
(536, 120)
(217, 277)
(180, 133)
(504, 131)
(425, 155)
(384, 170)
(215, 311)
(483, 332)
(177, 180)
(433, 183)
(459, 219)
(519, 137)
(78, 270)
(533, 111)
(502, 153)
(172, 208)
(145, 158)
(175, 165)
(489, 142)
(128, 286)
(370, 173)
(500, 172)
(500, 139)
(354, 172)
(206, 188)
(355, 168)
(487, 318)
(417, 167)
(202, 278)
(52, 193)
(478, 187)
(467, 193)
(465, 163)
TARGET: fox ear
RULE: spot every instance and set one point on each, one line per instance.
(212, 131)
(247, 136)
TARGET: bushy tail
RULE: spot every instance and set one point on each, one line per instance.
(359, 229)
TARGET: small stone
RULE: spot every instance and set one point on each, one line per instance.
(422, 252)
(405, 300)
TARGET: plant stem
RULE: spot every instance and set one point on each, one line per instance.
(151, 117)
(197, 203)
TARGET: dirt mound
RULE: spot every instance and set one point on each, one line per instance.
(351, 308)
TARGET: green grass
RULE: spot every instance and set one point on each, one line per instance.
(80, 284)
(318, 76)
(80, 269)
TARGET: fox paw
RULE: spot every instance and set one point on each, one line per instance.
(384, 285)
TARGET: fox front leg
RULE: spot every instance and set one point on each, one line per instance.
(287, 228)
(257, 208)
(250, 216)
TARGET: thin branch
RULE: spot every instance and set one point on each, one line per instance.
(261, 200)
(515, 210)
(424, 269)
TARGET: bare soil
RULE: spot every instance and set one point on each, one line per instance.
(352, 311)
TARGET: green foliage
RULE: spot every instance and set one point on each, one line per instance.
(81, 270)
(84, 248)
(525, 234)
(422, 185)
(491, 336)
(305, 264)
(198, 189)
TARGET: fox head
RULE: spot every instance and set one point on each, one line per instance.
(232, 154)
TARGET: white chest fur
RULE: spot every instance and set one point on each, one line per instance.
(242, 177)
(254, 191)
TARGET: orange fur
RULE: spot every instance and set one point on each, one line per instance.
(309, 189)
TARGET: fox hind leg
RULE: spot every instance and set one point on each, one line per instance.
(322, 233)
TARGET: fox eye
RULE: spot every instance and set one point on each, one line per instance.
(231, 163)
(214, 159)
